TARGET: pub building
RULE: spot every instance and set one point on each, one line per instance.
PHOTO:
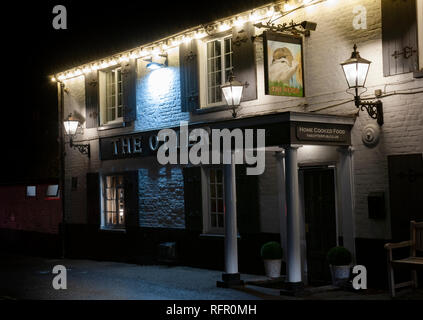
(342, 166)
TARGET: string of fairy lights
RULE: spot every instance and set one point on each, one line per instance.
(270, 12)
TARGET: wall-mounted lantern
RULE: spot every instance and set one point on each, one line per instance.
(71, 126)
(355, 70)
(232, 91)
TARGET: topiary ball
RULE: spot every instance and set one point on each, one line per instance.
(339, 256)
(271, 250)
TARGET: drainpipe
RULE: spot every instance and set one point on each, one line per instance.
(60, 88)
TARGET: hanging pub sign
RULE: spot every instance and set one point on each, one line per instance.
(283, 64)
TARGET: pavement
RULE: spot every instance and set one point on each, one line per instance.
(24, 277)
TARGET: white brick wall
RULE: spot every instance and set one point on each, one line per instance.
(159, 96)
(269, 209)
(325, 85)
(161, 197)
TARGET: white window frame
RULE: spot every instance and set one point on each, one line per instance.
(206, 103)
(104, 211)
(206, 191)
(104, 96)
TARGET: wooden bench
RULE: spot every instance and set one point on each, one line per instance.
(412, 262)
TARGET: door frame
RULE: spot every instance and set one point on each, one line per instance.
(308, 166)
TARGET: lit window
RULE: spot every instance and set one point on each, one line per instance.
(52, 190)
(216, 200)
(114, 204)
(111, 96)
(31, 191)
(219, 67)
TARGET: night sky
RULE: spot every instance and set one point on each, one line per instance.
(33, 50)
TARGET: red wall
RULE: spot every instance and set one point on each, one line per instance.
(39, 214)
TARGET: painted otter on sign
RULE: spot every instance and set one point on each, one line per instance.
(283, 65)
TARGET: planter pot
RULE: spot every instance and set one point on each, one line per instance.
(272, 268)
(340, 274)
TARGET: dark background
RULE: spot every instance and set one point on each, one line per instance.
(33, 49)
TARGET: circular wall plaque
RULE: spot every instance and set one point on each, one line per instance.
(370, 135)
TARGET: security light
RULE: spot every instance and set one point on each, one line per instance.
(308, 25)
(154, 65)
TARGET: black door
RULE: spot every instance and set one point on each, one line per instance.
(320, 220)
(405, 193)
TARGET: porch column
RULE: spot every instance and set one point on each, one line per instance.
(293, 218)
(231, 277)
(346, 190)
(280, 170)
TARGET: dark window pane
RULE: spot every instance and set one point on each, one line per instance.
(214, 220)
(219, 190)
(227, 45)
(218, 95)
(218, 78)
(217, 49)
(220, 221)
(227, 62)
(213, 206)
(220, 205)
(213, 79)
(218, 64)
(212, 175)
(213, 190)
(210, 65)
(210, 95)
(219, 175)
(210, 49)
(227, 74)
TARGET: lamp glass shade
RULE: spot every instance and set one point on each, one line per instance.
(356, 74)
(232, 91)
(71, 125)
(355, 70)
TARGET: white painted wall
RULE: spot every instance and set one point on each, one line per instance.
(325, 85)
